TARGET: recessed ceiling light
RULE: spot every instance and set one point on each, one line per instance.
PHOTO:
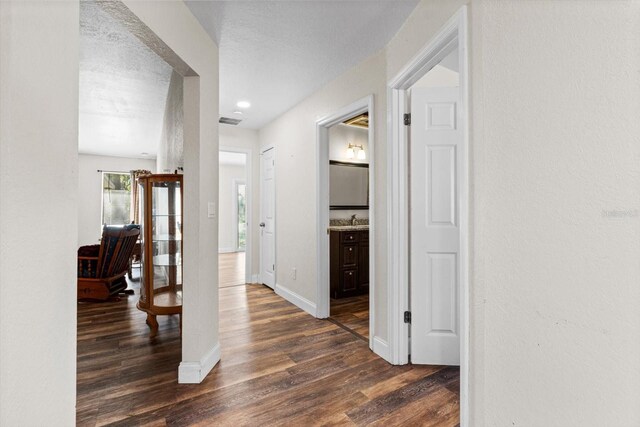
(243, 104)
(237, 112)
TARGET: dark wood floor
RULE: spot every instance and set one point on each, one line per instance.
(352, 313)
(279, 366)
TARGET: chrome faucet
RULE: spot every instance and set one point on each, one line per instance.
(353, 220)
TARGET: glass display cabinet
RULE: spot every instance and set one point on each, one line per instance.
(161, 231)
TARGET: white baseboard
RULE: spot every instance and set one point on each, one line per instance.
(195, 372)
(297, 300)
(226, 250)
(255, 278)
(381, 348)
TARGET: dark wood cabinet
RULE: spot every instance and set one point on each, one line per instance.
(161, 272)
(349, 265)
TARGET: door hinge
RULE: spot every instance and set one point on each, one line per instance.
(407, 119)
(407, 317)
(273, 267)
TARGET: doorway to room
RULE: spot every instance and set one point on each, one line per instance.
(345, 228)
(233, 239)
(349, 224)
(130, 125)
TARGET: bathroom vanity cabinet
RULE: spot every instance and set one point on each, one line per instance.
(349, 262)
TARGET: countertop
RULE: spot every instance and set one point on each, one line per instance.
(348, 227)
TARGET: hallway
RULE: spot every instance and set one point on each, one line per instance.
(279, 366)
(231, 269)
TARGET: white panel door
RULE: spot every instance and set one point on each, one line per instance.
(436, 139)
(268, 218)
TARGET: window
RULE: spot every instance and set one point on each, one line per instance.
(241, 190)
(116, 198)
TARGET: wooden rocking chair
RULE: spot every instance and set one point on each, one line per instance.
(101, 268)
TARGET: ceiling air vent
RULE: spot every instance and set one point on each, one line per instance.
(229, 121)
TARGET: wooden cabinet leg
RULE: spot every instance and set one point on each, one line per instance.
(153, 324)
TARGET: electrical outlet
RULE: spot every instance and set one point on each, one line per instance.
(294, 273)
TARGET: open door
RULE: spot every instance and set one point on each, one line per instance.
(267, 218)
(436, 138)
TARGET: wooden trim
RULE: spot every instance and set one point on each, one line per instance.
(90, 288)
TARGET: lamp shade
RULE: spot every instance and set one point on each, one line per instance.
(350, 153)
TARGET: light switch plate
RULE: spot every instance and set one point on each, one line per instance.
(211, 209)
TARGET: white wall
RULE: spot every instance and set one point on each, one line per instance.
(178, 28)
(38, 211)
(90, 190)
(556, 185)
(247, 139)
(339, 138)
(294, 135)
(227, 234)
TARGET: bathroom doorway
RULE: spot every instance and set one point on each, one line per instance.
(346, 279)
(349, 224)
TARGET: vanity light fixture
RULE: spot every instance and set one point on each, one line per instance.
(351, 151)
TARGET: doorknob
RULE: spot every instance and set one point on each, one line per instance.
(262, 224)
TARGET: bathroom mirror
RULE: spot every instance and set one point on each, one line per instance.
(348, 185)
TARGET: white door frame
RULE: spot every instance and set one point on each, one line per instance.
(248, 260)
(322, 211)
(263, 149)
(454, 32)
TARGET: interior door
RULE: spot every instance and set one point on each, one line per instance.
(436, 139)
(267, 218)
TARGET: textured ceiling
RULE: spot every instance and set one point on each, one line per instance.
(123, 88)
(276, 53)
(272, 53)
